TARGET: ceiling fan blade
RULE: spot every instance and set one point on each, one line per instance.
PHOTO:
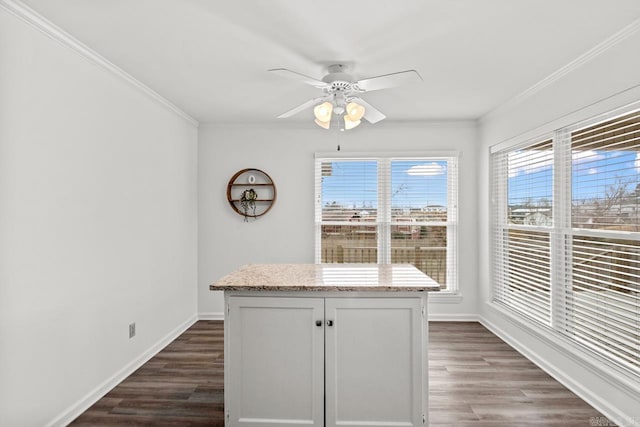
(283, 72)
(371, 114)
(389, 80)
(300, 108)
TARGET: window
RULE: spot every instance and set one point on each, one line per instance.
(603, 297)
(388, 210)
(566, 234)
(524, 180)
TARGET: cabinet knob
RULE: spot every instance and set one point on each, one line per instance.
(318, 322)
(329, 322)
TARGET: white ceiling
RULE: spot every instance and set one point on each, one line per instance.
(210, 58)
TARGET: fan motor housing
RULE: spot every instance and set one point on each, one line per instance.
(340, 86)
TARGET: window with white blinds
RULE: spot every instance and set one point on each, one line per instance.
(603, 297)
(389, 210)
(349, 211)
(523, 188)
(566, 234)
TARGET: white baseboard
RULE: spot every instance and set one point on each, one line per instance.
(75, 410)
(446, 317)
(211, 316)
(433, 317)
(586, 393)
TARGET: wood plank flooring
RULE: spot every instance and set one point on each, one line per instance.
(180, 386)
(475, 378)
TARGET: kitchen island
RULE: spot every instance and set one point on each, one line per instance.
(326, 345)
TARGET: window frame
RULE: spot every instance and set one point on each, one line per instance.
(562, 233)
(384, 221)
(502, 228)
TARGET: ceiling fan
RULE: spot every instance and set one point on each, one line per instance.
(341, 94)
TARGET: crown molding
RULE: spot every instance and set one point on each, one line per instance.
(586, 57)
(33, 18)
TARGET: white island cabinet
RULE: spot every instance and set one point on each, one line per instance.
(326, 345)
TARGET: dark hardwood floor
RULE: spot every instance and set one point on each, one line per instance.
(180, 386)
(475, 380)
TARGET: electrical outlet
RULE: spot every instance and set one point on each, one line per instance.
(132, 330)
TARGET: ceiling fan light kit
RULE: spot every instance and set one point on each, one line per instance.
(341, 95)
(350, 124)
(355, 111)
(325, 125)
(323, 111)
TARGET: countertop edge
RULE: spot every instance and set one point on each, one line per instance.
(381, 278)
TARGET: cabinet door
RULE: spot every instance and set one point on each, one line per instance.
(374, 367)
(276, 361)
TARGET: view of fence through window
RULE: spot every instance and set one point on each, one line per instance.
(598, 234)
(415, 220)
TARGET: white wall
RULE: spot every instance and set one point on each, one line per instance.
(98, 225)
(609, 80)
(286, 233)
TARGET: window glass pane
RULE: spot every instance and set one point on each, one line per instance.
(423, 246)
(527, 274)
(604, 297)
(357, 243)
(606, 175)
(530, 185)
(418, 223)
(597, 261)
(349, 190)
(418, 190)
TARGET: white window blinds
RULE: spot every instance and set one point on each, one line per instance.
(523, 196)
(603, 297)
(423, 209)
(389, 210)
(603, 300)
(605, 161)
(348, 214)
(566, 234)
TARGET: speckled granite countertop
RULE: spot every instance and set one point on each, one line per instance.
(326, 277)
